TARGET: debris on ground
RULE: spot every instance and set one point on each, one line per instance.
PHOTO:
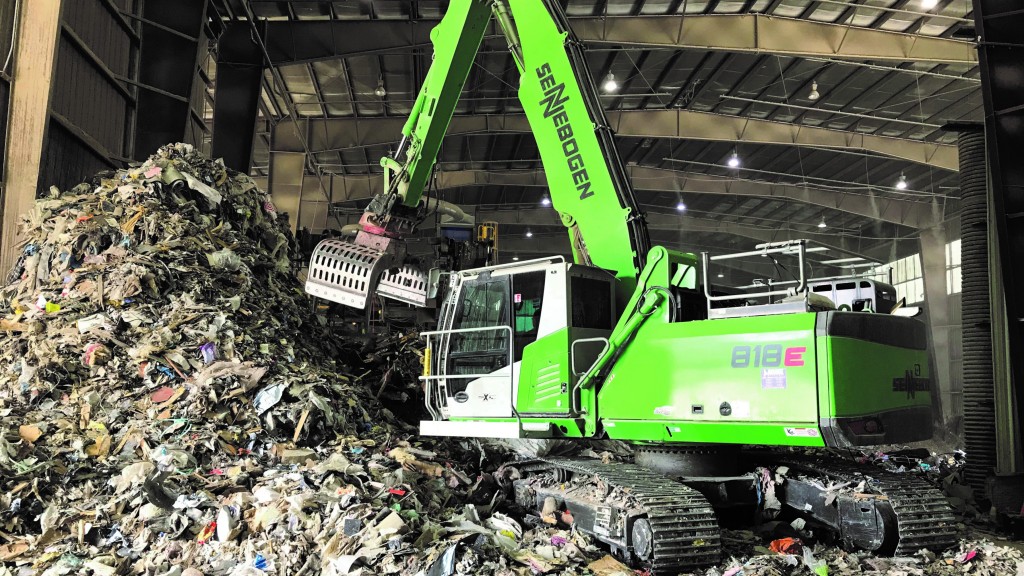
(172, 404)
(979, 556)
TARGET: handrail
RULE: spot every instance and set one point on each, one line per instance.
(572, 353)
(572, 366)
(439, 377)
(780, 249)
(464, 330)
(550, 259)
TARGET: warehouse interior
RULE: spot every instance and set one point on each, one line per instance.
(885, 132)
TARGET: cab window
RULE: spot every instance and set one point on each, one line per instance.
(484, 303)
(527, 299)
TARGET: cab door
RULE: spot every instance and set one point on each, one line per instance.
(478, 365)
(573, 307)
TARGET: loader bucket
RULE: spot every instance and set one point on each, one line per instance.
(349, 273)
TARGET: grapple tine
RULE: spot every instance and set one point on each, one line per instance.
(342, 272)
(349, 273)
(407, 284)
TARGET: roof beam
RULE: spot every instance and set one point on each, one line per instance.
(647, 179)
(666, 230)
(656, 222)
(762, 34)
(304, 41)
(558, 244)
(343, 133)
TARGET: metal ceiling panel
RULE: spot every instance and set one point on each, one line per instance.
(668, 89)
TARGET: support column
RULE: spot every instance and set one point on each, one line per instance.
(287, 168)
(936, 297)
(35, 55)
(998, 23)
(1008, 441)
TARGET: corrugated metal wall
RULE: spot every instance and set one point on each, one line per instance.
(92, 104)
(94, 95)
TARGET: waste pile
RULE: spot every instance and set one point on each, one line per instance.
(171, 404)
(169, 399)
(941, 466)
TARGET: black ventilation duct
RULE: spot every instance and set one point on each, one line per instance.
(978, 389)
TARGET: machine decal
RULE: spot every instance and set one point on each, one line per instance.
(554, 107)
(911, 382)
(802, 432)
(664, 410)
(767, 356)
(773, 378)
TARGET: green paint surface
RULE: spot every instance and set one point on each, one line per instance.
(544, 370)
(575, 166)
(456, 40)
(684, 372)
(683, 432)
(862, 376)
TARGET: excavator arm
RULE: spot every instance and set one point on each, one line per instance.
(585, 176)
(349, 272)
(456, 42)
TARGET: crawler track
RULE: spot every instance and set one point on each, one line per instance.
(923, 517)
(683, 530)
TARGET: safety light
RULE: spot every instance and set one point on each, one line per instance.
(610, 85)
(814, 95)
(901, 184)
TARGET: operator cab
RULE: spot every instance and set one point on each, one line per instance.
(525, 318)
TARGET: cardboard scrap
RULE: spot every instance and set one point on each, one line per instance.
(609, 566)
(13, 550)
(29, 433)
(408, 460)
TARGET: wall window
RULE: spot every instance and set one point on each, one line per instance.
(907, 278)
(954, 283)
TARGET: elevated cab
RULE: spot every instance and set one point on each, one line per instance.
(509, 336)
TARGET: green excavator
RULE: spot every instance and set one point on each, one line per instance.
(632, 342)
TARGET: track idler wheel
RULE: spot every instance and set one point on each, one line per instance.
(643, 539)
